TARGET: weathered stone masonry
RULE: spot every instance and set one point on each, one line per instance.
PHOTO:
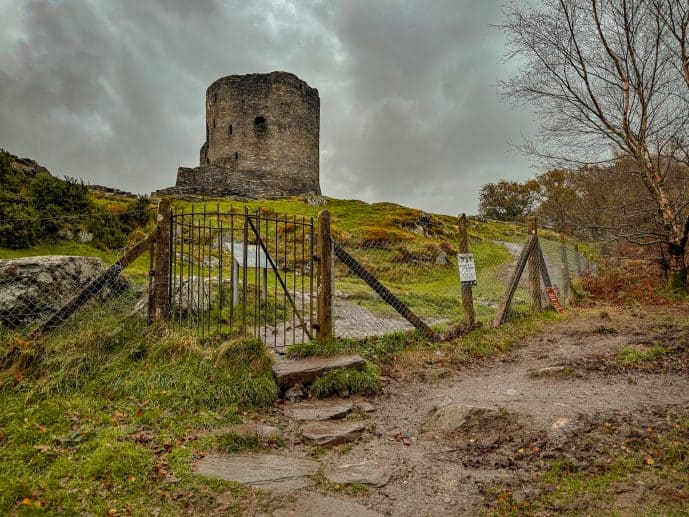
(262, 139)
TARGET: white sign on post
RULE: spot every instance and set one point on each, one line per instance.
(467, 269)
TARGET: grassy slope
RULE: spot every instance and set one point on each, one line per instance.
(106, 414)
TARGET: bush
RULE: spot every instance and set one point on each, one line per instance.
(18, 222)
(107, 230)
(138, 213)
(53, 199)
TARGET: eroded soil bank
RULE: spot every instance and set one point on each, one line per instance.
(573, 399)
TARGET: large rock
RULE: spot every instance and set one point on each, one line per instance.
(33, 288)
(191, 297)
(266, 471)
(289, 372)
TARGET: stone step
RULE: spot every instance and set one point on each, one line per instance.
(332, 433)
(318, 409)
(266, 471)
(289, 372)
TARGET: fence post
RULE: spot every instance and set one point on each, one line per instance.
(577, 259)
(565, 270)
(161, 268)
(469, 315)
(534, 267)
(324, 293)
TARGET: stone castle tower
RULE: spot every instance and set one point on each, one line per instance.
(262, 139)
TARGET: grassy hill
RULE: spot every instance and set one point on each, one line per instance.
(105, 415)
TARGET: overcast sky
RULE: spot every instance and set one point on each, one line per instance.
(113, 91)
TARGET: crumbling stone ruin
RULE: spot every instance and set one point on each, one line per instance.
(262, 139)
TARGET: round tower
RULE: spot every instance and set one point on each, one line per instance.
(267, 125)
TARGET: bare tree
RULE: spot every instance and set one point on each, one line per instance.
(608, 80)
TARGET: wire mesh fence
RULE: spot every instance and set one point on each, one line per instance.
(425, 277)
(239, 273)
(45, 287)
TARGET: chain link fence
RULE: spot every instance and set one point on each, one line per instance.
(55, 283)
(418, 269)
(423, 274)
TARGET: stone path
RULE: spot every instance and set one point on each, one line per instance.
(289, 372)
(316, 505)
(279, 473)
(266, 471)
(428, 448)
(349, 320)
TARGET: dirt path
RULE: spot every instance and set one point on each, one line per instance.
(432, 474)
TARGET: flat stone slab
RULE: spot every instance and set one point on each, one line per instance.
(364, 473)
(318, 409)
(289, 372)
(266, 471)
(332, 433)
(310, 504)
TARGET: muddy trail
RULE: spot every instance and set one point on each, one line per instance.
(559, 394)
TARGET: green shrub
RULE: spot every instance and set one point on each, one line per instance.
(138, 213)
(18, 222)
(107, 230)
(68, 196)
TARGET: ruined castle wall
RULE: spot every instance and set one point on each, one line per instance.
(262, 124)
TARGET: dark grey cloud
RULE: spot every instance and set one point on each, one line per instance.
(113, 91)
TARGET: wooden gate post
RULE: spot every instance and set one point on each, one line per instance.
(160, 309)
(534, 267)
(565, 270)
(469, 315)
(324, 292)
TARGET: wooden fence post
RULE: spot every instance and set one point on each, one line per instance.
(534, 267)
(160, 309)
(469, 315)
(565, 270)
(324, 293)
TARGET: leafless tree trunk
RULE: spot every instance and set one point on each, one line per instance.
(610, 79)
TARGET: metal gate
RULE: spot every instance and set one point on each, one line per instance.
(239, 273)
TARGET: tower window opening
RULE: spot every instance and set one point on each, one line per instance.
(229, 129)
(236, 155)
(260, 125)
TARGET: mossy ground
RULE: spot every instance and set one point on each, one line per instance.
(104, 416)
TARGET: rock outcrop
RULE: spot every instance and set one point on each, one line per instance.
(33, 288)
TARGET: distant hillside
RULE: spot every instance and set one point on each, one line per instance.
(37, 208)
